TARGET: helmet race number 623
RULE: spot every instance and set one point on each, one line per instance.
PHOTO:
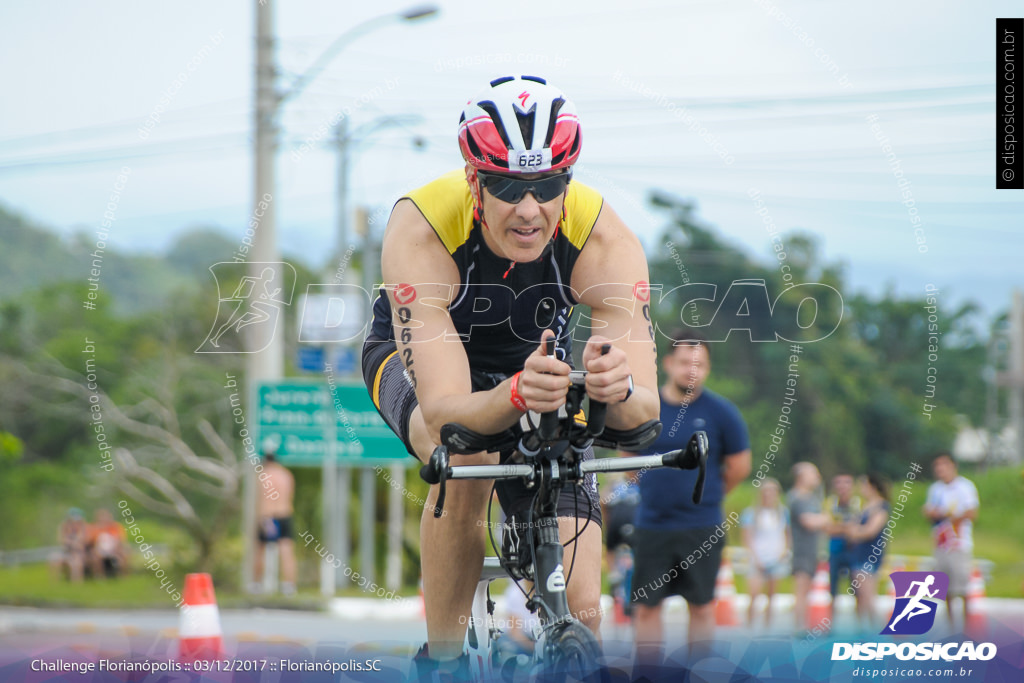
(520, 125)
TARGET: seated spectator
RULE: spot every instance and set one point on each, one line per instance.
(72, 536)
(106, 546)
(766, 537)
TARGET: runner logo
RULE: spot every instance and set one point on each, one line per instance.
(914, 613)
(250, 299)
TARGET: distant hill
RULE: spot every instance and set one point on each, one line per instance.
(32, 256)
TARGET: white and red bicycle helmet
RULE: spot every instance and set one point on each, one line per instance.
(520, 125)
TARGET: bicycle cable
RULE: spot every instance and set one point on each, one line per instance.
(579, 531)
(490, 527)
(490, 536)
(576, 516)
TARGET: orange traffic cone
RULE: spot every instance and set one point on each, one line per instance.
(725, 596)
(200, 633)
(619, 616)
(976, 625)
(819, 602)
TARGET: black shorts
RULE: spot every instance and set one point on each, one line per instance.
(662, 564)
(393, 395)
(390, 387)
(619, 527)
(274, 530)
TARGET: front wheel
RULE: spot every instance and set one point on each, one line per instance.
(572, 654)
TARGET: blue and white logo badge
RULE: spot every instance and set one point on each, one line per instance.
(914, 613)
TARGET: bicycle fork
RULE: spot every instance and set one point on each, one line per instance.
(550, 576)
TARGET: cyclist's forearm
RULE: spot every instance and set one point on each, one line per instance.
(642, 406)
(486, 412)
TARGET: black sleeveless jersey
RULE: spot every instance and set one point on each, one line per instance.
(501, 310)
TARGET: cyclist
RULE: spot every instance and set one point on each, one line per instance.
(482, 265)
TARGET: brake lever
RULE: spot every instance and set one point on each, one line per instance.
(549, 421)
(693, 457)
(436, 472)
(697, 449)
(598, 409)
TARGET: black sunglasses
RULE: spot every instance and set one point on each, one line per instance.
(512, 190)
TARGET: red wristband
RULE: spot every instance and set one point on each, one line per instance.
(514, 396)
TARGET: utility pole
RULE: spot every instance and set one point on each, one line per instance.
(367, 478)
(266, 363)
(1008, 350)
(1016, 374)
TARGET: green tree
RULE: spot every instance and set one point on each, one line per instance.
(860, 369)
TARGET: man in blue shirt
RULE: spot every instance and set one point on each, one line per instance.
(678, 545)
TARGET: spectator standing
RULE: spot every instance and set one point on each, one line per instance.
(842, 507)
(274, 512)
(952, 507)
(867, 546)
(806, 524)
(669, 527)
(766, 538)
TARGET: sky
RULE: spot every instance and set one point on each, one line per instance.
(834, 115)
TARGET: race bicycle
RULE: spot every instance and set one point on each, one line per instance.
(548, 456)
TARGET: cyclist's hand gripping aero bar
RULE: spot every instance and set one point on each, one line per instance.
(549, 421)
(458, 439)
(595, 415)
(598, 409)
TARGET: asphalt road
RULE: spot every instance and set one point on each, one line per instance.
(354, 628)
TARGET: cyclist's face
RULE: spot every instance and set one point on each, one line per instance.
(520, 231)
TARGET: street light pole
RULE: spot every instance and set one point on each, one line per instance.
(268, 363)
